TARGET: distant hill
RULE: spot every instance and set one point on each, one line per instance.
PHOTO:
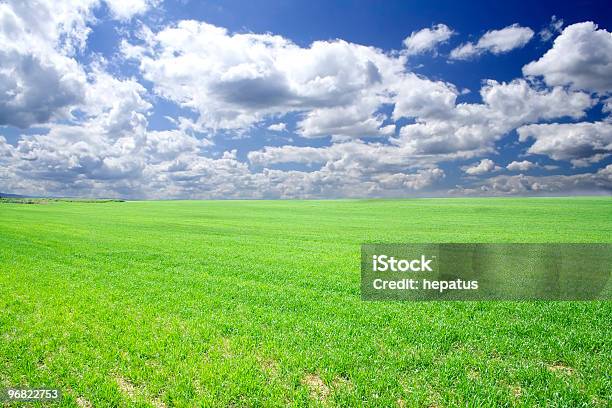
(7, 195)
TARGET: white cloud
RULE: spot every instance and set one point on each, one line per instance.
(599, 182)
(524, 165)
(445, 133)
(126, 9)
(485, 166)
(495, 41)
(465, 51)
(367, 157)
(5, 148)
(552, 29)
(607, 107)
(37, 82)
(290, 154)
(116, 105)
(62, 25)
(109, 150)
(96, 138)
(581, 143)
(473, 128)
(105, 153)
(112, 154)
(414, 181)
(368, 169)
(427, 39)
(418, 97)
(518, 102)
(87, 159)
(506, 39)
(581, 57)
(234, 81)
(40, 80)
(278, 127)
(356, 120)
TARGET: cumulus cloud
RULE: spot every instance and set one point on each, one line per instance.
(450, 131)
(117, 105)
(471, 129)
(170, 165)
(110, 150)
(355, 120)
(367, 157)
(40, 80)
(427, 39)
(104, 147)
(582, 143)
(95, 136)
(599, 182)
(37, 81)
(495, 42)
(234, 81)
(96, 158)
(414, 181)
(581, 57)
(485, 166)
(417, 97)
(369, 169)
(523, 165)
(278, 127)
(289, 154)
(126, 9)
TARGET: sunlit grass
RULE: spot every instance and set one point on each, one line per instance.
(256, 303)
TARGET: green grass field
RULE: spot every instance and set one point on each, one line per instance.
(257, 303)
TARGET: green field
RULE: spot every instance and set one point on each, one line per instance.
(257, 303)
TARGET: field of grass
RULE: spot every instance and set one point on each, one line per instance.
(257, 303)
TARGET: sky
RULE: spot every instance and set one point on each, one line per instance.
(180, 99)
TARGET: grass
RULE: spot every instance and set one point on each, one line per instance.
(257, 303)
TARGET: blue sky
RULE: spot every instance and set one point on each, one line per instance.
(261, 99)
